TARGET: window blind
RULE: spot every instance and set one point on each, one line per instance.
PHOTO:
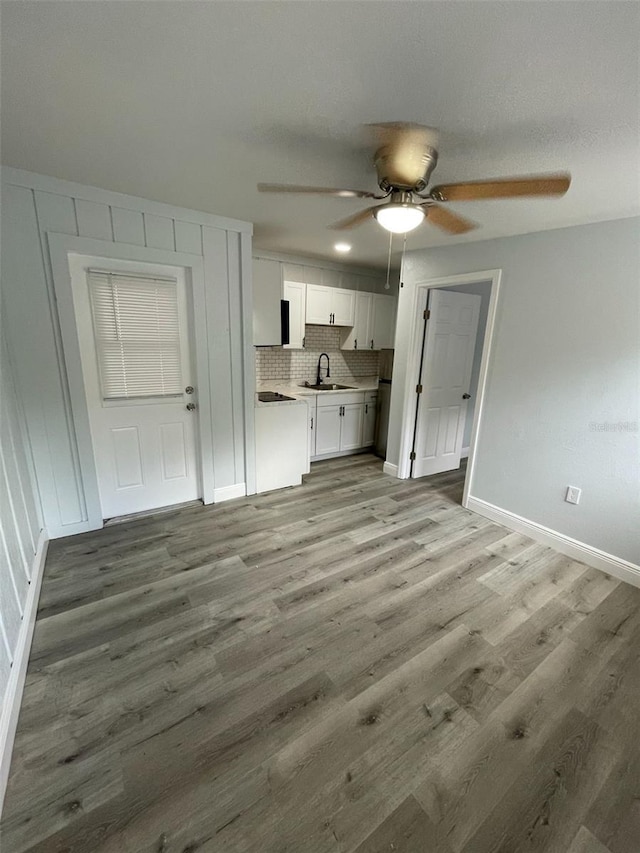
(137, 335)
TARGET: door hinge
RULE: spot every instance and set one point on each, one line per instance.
(427, 313)
(418, 389)
(412, 456)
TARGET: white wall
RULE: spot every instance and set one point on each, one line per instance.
(33, 206)
(565, 358)
(20, 571)
(333, 273)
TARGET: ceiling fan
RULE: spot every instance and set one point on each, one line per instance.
(405, 156)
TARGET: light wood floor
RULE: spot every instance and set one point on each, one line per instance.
(358, 664)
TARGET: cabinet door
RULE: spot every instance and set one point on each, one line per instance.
(267, 284)
(327, 428)
(295, 293)
(319, 309)
(351, 428)
(343, 306)
(369, 425)
(312, 432)
(383, 325)
(358, 337)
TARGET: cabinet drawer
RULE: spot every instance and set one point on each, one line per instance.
(370, 396)
(326, 398)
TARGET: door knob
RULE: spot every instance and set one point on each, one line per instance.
(189, 389)
(191, 407)
(466, 396)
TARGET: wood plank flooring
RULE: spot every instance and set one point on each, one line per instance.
(358, 664)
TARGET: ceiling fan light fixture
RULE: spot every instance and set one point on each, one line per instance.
(399, 218)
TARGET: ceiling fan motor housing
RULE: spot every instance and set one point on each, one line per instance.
(406, 170)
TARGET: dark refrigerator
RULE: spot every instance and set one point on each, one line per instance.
(384, 400)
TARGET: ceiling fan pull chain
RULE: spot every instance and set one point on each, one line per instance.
(404, 249)
(386, 286)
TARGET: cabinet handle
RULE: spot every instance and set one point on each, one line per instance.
(371, 343)
(311, 423)
(303, 342)
(355, 344)
(366, 408)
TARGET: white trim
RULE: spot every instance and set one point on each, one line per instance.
(464, 453)
(61, 246)
(15, 685)
(612, 565)
(338, 453)
(389, 468)
(228, 493)
(248, 363)
(36, 181)
(420, 294)
(73, 529)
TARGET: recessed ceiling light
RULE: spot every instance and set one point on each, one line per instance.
(343, 248)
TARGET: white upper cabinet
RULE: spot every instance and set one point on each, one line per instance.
(319, 308)
(330, 306)
(359, 336)
(343, 307)
(374, 323)
(383, 323)
(295, 293)
(267, 287)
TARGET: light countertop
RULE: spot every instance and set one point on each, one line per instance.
(297, 390)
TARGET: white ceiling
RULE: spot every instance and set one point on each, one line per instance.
(194, 103)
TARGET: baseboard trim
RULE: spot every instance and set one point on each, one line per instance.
(15, 686)
(464, 453)
(228, 493)
(616, 566)
(339, 453)
(73, 529)
(389, 468)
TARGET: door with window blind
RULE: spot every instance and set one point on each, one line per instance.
(134, 341)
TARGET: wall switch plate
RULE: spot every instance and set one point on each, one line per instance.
(573, 495)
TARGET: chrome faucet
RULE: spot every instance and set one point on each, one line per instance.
(319, 377)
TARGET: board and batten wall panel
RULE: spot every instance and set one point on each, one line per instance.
(20, 523)
(35, 206)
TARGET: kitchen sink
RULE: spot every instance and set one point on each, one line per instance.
(324, 386)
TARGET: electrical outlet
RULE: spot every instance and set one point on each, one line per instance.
(573, 495)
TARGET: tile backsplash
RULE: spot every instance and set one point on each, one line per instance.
(282, 364)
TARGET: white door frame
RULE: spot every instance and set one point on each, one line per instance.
(413, 366)
(60, 247)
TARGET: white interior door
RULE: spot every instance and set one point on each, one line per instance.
(133, 329)
(447, 360)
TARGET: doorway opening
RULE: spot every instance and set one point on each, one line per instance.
(447, 372)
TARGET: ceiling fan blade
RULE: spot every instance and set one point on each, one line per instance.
(544, 185)
(447, 220)
(356, 219)
(294, 188)
(407, 153)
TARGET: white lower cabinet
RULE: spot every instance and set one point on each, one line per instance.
(328, 423)
(351, 426)
(343, 423)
